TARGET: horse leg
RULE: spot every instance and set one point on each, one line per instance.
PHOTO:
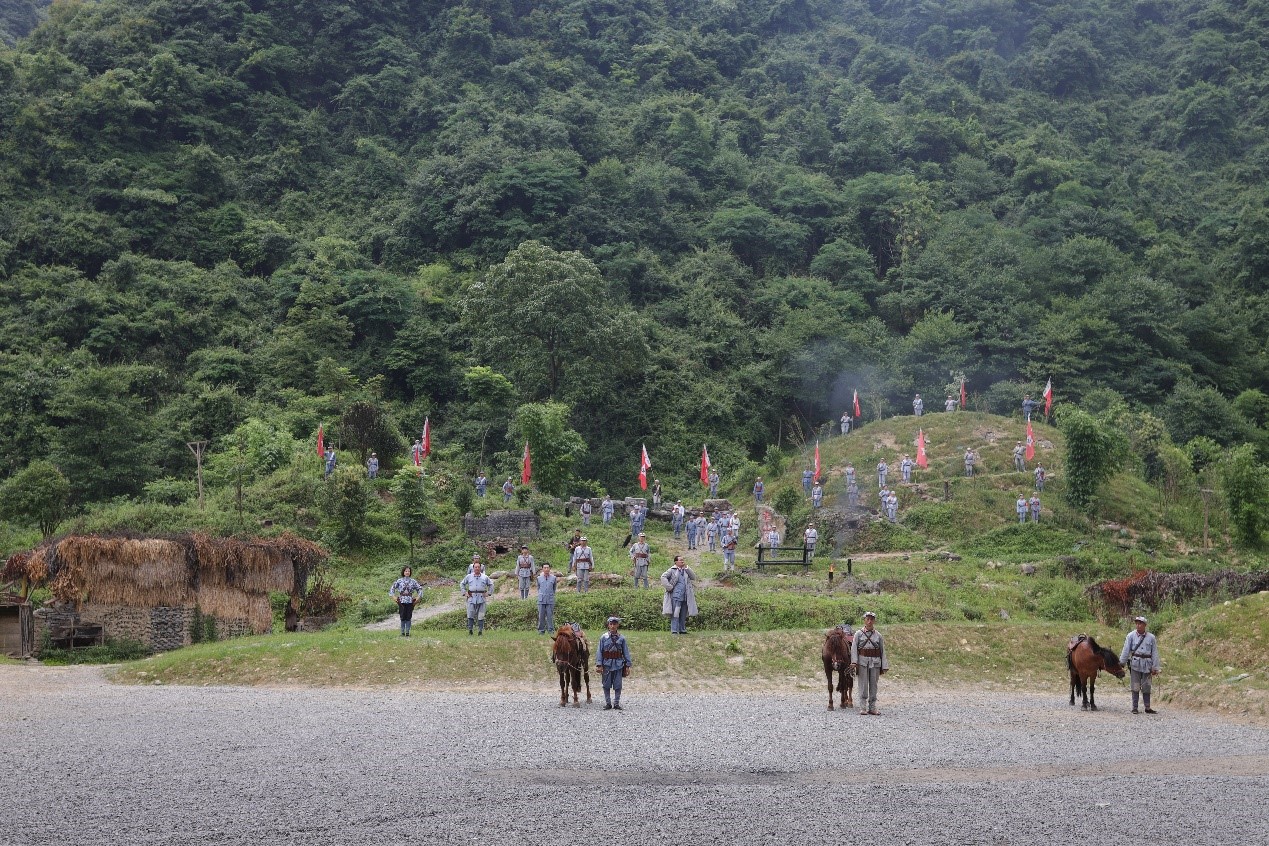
(563, 688)
(586, 675)
(849, 681)
(576, 677)
(828, 674)
(1092, 693)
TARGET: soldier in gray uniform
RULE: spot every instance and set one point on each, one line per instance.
(1022, 506)
(476, 587)
(583, 562)
(949, 404)
(852, 494)
(711, 533)
(546, 600)
(1019, 457)
(918, 405)
(677, 512)
(807, 474)
(970, 458)
(850, 473)
(882, 470)
(868, 660)
(713, 483)
(817, 495)
(810, 537)
(1141, 655)
(586, 510)
(606, 509)
(1034, 502)
(1040, 476)
(905, 467)
(730, 539)
(640, 556)
(612, 659)
(525, 567)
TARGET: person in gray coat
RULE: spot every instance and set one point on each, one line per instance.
(869, 661)
(1141, 655)
(546, 600)
(679, 602)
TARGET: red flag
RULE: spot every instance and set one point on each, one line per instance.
(962, 393)
(427, 436)
(644, 464)
(856, 405)
(922, 461)
(526, 466)
(817, 461)
(321, 442)
(705, 465)
(1048, 396)
(1030, 442)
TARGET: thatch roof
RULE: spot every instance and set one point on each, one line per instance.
(225, 577)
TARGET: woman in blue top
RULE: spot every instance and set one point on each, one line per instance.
(406, 591)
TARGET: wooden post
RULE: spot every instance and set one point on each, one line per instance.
(1207, 499)
(196, 447)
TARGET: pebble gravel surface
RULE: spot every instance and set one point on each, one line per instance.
(88, 762)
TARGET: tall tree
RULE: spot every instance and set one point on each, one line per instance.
(538, 314)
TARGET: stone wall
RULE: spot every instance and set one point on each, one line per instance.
(508, 523)
(160, 629)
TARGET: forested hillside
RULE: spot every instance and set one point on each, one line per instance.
(233, 221)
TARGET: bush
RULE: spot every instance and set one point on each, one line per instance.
(1061, 600)
(464, 496)
(787, 501)
(171, 491)
(111, 652)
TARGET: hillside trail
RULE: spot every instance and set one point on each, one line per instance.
(422, 613)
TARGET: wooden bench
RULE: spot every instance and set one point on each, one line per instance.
(779, 556)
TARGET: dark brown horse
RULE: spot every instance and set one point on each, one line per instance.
(1084, 658)
(571, 655)
(836, 658)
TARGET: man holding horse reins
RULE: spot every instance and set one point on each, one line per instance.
(1141, 655)
(869, 662)
(613, 660)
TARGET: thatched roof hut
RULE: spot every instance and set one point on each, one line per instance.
(226, 578)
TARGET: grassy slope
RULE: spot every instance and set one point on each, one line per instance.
(944, 617)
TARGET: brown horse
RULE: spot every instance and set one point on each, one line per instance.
(571, 655)
(836, 658)
(1084, 658)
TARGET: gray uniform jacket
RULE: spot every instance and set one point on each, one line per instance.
(869, 642)
(639, 555)
(669, 579)
(478, 586)
(1141, 652)
(583, 558)
(613, 652)
(546, 589)
(525, 565)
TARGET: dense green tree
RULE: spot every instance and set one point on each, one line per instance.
(1245, 484)
(554, 447)
(1093, 454)
(539, 316)
(37, 494)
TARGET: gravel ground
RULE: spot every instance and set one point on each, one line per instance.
(93, 763)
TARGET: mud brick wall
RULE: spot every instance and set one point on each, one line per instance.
(510, 523)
